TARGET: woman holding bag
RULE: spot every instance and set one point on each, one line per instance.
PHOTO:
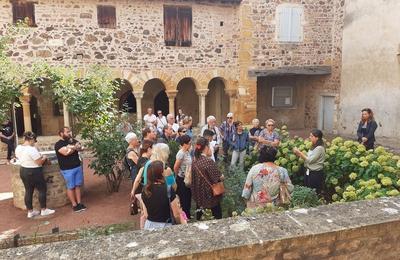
(162, 205)
(207, 187)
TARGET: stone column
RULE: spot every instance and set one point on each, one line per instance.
(202, 106)
(171, 100)
(138, 96)
(26, 109)
(66, 115)
(232, 93)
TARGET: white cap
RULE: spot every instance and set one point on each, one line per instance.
(230, 114)
(130, 136)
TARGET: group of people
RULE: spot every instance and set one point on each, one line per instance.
(163, 192)
(31, 171)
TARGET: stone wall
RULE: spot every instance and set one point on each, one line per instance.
(56, 188)
(371, 66)
(357, 230)
(228, 40)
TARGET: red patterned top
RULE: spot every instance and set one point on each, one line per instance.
(201, 190)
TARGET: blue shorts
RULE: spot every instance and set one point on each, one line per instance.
(73, 177)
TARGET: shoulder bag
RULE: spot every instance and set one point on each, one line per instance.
(217, 188)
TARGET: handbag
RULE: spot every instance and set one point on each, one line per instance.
(284, 194)
(188, 177)
(217, 188)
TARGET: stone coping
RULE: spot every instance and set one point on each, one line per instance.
(190, 240)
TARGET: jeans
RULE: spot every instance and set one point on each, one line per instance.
(10, 147)
(226, 147)
(236, 155)
(185, 195)
(151, 225)
(216, 212)
(33, 178)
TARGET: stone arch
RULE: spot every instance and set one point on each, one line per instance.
(187, 98)
(199, 79)
(125, 98)
(155, 96)
(227, 77)
(139, 80)
(217, 100)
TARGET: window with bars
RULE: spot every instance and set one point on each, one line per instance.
(24, 12)
(290, 28)
(106, 16)
(177, 26)
(282, 96)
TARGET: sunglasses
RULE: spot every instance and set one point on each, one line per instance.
(230, 117)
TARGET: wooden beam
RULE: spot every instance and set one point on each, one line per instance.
(289, 71)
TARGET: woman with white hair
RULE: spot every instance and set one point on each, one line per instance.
(268, 136)
(254, 132)
(132, 153)
(217, 138)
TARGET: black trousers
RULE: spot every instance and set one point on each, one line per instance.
(33, 179)
(10, 147)
(315, 180)
(185, 195)
(225, 147)
(216, 212)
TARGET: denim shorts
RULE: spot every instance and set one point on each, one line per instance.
(73, 177)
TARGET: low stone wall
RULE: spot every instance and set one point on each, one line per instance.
(358, 230)
(56, 188)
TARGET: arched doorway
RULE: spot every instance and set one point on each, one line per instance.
(19, 118)
(126, 99)
(187, 99)
(155, 97)
(217, 101)
(36, 120)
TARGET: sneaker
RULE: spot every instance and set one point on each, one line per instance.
(83, 207)
(79, 207)
(46, 212)
(33, 213)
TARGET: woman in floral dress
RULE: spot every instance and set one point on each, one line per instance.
(263, 180)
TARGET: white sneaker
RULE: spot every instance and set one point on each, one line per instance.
(46, 212)
(33, 213)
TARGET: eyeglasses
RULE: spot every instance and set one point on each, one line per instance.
(230, 117)
(270, 125)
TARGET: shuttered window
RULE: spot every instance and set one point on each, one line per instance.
(25, 12)
(106, 16)
(290, 27)
(282, 96)
(177, 26)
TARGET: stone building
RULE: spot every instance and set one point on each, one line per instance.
(268, 59)
(371, 66)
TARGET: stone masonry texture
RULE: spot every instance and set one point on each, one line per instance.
(357, 230)
(229, 38)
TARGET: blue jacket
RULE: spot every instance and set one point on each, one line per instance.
(240, 142)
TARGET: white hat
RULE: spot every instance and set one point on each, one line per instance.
(230, 114)
(130, 136)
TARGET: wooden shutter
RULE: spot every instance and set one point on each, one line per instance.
(170, 25)
(185, 26)
(24, 12)
(296, 34)
(106, 16)
(284, 24)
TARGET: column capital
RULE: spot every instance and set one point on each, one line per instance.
(138, 94)
(171, 94)
(25, 98)
(231, 92)
(202, 92)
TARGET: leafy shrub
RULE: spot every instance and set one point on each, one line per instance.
(269, 208)
(304, 197)
(234, 182)
(173, 150)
